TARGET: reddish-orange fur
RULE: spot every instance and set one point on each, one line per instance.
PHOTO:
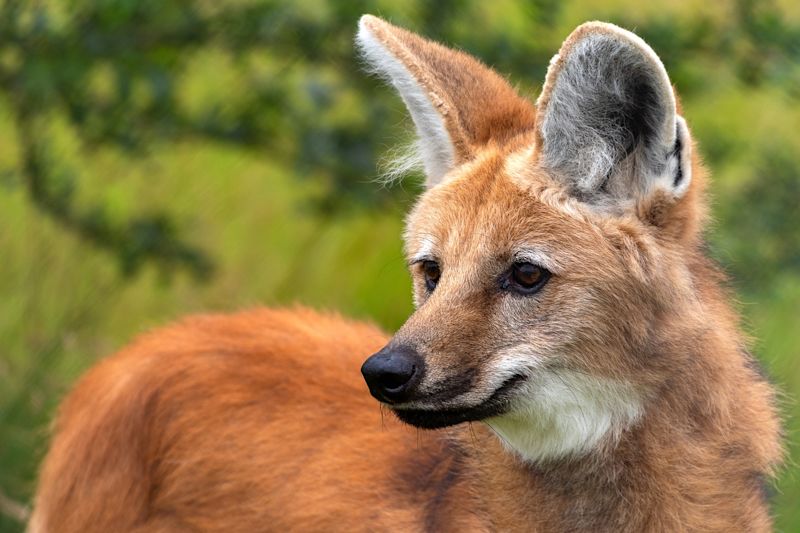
(260, 420)
(249, 422)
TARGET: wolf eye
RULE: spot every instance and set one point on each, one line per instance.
(526, 278)
(431, 273)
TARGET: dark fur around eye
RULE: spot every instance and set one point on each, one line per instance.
(431, 273)
(525, 278)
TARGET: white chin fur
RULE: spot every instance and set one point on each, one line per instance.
(562, 413)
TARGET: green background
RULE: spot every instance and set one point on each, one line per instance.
(176, 156)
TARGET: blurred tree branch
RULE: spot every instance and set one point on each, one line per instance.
(13, 509)
(297, 112)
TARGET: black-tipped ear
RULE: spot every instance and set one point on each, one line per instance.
(607, 120)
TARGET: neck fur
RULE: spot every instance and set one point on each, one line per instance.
(564, 413)
(595, 453)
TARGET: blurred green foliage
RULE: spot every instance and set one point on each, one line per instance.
(161, 157)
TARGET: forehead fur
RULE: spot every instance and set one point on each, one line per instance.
(500, 200)
(503, 203)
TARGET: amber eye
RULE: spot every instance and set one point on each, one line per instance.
(431, 272)
(527, 278)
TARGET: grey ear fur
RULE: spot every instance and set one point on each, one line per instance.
(434, 149)
(608, 124)
(458, 104)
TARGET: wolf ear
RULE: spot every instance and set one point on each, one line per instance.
(607, 119)
(457, 104)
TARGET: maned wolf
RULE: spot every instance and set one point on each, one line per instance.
(563, 300)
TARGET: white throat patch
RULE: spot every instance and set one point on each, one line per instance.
(563, 413)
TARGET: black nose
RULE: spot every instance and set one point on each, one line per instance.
(392, 373)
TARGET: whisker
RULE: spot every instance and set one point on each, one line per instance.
(472, 433)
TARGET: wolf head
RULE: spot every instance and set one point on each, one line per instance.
(552, 250)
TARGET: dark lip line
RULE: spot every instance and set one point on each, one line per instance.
(451, 387)
(495, 405)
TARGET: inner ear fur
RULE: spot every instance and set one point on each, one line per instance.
(457, 104)
(607, 120)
